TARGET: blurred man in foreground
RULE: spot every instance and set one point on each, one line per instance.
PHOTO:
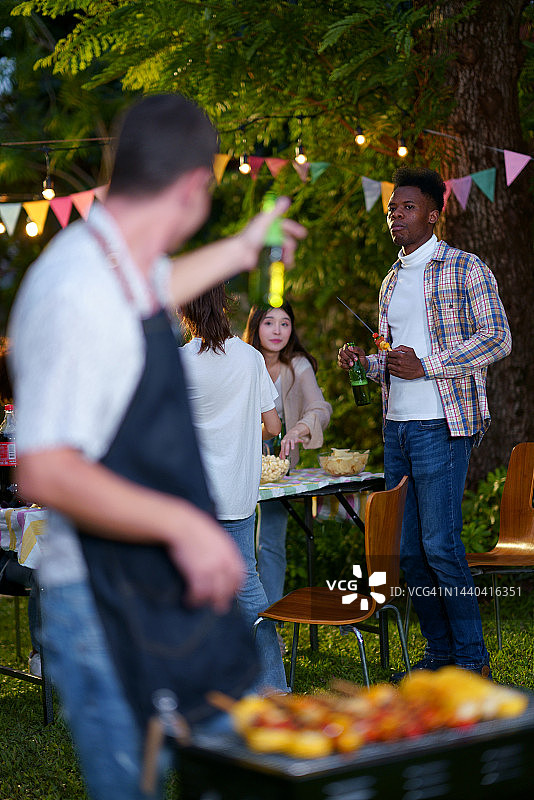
(105, 438)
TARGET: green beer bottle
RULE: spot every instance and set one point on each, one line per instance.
(358, 381)
(266, 283)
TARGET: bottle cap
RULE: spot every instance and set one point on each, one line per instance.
(8, 407)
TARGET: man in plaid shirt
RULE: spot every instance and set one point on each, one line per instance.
(440, 313)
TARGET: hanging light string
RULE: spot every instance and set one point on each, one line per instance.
(462, 139)
(48, 142)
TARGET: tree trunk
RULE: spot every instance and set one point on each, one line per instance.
(484, 78)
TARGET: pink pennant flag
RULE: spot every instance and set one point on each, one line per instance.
(61, 206)
(448, 190)
(513, 164)
(461, 188)
(83, 201)
(256, 163)
(275, 165)
(101, 192)
(302, 170)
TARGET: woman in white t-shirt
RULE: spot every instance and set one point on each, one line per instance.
(304, 413)
(233, 405)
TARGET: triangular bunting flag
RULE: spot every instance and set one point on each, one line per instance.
(37, 211)
(220, 162)
(9, 212)
(101, 192)
(256, 162)
(513, 164)
(317, 168)
(485, 180)
(83, 201)
(275, 165)
(371, 192)
(61, 206)
(386, 189)
(302, 170)
(461, 188)
(448, 190)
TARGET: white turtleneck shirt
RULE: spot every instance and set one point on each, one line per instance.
(408, 323)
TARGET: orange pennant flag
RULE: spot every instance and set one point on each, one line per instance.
(220, 162)
(61, 206)
(37, 210)
(275, 165)
(387, 191)
(83, 201)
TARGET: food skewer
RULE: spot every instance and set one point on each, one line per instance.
(380, 342)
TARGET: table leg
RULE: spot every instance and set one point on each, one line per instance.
(310, 541)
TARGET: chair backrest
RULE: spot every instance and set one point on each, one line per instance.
(517, 513)
(383, 526)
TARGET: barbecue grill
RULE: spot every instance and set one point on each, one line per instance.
(488, 760)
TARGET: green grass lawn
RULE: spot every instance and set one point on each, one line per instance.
(38, 762)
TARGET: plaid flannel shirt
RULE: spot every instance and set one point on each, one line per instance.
(468, 331)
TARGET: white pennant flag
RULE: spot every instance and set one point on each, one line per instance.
(9, 212)
(371, 192)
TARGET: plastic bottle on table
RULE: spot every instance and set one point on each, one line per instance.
(8, 459)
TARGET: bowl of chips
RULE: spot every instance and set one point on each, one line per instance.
(273, 468)
(344, 461)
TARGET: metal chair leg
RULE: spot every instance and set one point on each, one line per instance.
(402, 637)
(255, 626)
(383, 637)
(497, 610)
(17, 627)
(294, 646)
(361, 648)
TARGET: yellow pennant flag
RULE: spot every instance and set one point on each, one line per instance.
(387, 191)
(220, 162)
(37, 211)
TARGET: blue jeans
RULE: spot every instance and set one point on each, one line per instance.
(271, 537)
(252, 601)
(432, 553)
(107, 738)
(105, 732)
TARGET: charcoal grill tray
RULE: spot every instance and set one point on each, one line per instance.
(492, 759)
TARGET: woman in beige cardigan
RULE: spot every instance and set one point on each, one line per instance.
(304, 413)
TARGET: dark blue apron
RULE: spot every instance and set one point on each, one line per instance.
(156, 641)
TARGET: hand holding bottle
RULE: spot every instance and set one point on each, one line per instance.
(348, 354)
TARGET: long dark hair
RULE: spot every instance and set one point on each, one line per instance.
(293, 347)
(207, 318)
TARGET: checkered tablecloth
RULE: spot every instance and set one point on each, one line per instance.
(306, 480)
(20, 530)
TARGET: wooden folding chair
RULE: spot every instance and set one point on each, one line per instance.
(324, 606)
(514, 551)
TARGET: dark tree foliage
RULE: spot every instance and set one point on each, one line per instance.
(270, 74)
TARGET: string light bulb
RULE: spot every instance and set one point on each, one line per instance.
(360, 137)
(48, 184)
(48, 188)
(31, 228)
(402, 150)
(2, 227)
(300, 155)
(244, 166)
